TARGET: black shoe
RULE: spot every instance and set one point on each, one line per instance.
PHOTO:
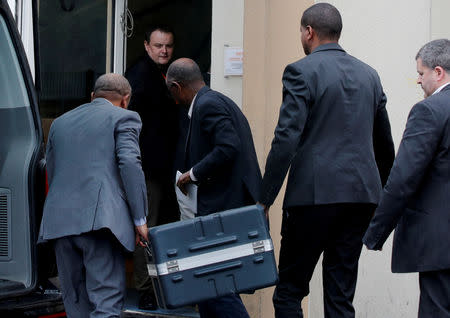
(147, 301)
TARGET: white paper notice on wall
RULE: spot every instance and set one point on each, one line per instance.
(233, 61)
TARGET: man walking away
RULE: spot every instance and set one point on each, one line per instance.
(220, 159)
(415, 200)
(334, 134)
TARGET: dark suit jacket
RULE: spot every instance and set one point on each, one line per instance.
(151, 99)
(94, 173)
(332, 132)
(416, 199)
(220, 149)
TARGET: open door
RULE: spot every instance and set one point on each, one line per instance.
(20, 156)
(78, 41)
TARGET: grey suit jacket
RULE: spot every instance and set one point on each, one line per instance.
(94, 173)
(416, 199)
(333, 131)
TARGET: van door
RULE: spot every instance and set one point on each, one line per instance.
(20, 155)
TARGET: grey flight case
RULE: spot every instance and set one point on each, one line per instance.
(210, 256)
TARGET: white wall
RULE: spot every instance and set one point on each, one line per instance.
(12, 6)
(227, 29)
(440, 22)
(387, 35)
(26, 31)
(24, 22)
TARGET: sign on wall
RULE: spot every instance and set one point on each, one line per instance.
(233, 61)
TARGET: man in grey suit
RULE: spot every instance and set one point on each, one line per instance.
(416, 199)
(97, 199)
(334, 134)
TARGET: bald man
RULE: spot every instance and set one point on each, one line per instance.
(97, 200)
(220, 159)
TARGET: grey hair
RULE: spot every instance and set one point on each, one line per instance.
(436, 53)
(185, 72)
(111, 83)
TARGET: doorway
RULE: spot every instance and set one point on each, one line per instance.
(190, 20)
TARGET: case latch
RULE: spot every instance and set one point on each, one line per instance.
(258, 247)
(172, 267)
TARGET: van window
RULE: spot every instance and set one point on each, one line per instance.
(12, 87)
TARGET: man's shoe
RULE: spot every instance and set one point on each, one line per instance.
(147, 301)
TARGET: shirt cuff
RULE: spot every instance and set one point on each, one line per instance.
(191, 174)
(140, 222)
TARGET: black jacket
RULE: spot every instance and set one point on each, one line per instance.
(416, 199)
(221, 151)
(333, 133)
(159, 113)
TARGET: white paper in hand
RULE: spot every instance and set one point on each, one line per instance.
(187, 203)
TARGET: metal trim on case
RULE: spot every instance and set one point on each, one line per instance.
(151, 268)
(210, 258)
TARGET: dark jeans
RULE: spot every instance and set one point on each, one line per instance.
(307, 231)
(434, 294)
(223, 307)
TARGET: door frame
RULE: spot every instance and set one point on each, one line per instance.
(120, 39)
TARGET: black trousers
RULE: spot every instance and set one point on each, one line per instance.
(230, 306)
(307, 231)
(434, 294)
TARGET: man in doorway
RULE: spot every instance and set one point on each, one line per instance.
(334, 134)
(415, 200)
(159, 114)
(96, 193)
(220, 156)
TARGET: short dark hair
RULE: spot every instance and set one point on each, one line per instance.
(185, 72)
(325, 19)
(436, 53)
(158, 27)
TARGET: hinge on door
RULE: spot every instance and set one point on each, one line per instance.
(127, 23)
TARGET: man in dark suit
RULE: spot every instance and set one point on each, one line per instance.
(160, 120)
(220, 156)
(416, 199)
(96, 194)
(333, 131)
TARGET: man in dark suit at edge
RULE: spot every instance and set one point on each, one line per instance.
(220, 159)
(158, 141)
(334, 134)
(416, 200)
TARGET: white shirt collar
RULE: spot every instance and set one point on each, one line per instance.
(191, 107)
(440, 88)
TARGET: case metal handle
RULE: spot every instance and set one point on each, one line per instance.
(218, 268)
(213, 243)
